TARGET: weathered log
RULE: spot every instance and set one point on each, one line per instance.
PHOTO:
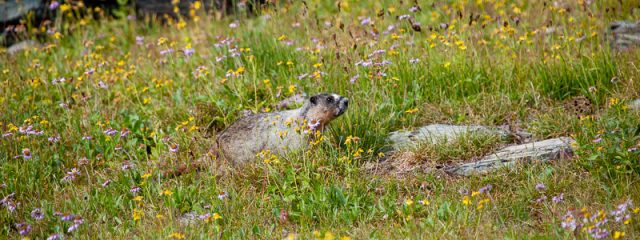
(546, 150)
(436, 133)
(624, 35)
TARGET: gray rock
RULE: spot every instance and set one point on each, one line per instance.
(437, 133)
(13, 10)
(635, 105)
(624, 35)
(547, 150)
(19, 47)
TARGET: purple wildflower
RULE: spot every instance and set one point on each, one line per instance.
(102, 85)
(204, 216)
(54, 237)
(541, 199)
(364, 64)
(7, 202)
(390, 29)
(559, 198)
(126, 166)
(223, 195)
(486, 188)
(354, 78)
(173, 147)
(602, 222)
(23, 228)
(569, 222)
(302, 76)
(106, 183)
(87, 138)
(189, 51)
(365, 21)
(25, 130)
(233, 25)
(54, 5)
(90, 71)
(56, 81)
(383, 63)
(313, 125)
(68, 217)
(139, 40)
(219, 59)
(125, 132)
(26, 154)
(414, 9)
(403, 17)
(71, 175)
(76, 224)
(377, 52)
(166, 51)
(598, 233)
(110, 132)
(540, 187)
(37, 214)
(134, 189)
(54, 139)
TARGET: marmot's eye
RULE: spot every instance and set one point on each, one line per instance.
(329, 99)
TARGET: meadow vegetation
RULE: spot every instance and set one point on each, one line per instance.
(91, 121)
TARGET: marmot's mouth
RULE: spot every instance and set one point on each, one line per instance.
(343, 104)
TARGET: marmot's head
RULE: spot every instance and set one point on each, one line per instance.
(325, 107)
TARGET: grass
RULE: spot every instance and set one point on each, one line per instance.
(515, 65)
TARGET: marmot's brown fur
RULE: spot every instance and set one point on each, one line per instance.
(279, 132)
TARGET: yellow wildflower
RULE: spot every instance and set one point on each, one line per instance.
(618, 235)
(411, 111)
(408, 202)
(65, 7)
(167, 192)
(137, 214)
(176, 235)
(466, 200)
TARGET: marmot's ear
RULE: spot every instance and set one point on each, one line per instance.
(314, 100)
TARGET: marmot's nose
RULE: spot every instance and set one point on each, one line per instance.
(346, 102)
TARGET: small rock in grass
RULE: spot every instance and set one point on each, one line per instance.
(21, 46)
(635, 105)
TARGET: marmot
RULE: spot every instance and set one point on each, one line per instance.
(279, 132)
